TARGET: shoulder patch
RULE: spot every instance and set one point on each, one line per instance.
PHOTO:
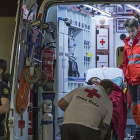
(5, 90)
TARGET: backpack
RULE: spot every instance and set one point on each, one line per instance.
(73, 67)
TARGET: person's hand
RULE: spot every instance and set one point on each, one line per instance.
(125, 84)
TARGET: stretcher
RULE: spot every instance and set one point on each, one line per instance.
(118, 98)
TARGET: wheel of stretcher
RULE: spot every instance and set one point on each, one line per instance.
(43, 78)
(23, 92)
(32, 79)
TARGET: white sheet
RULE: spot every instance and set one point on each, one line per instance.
(104, 73)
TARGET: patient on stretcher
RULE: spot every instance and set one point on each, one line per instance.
(94, 81)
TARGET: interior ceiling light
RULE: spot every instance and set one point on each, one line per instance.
(133, 7)
(119, 5)
(92, 7)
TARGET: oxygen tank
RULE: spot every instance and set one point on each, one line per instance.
(47, 121)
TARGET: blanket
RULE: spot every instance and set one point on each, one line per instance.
(119, 117)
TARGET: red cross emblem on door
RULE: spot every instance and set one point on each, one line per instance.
(21, 125)
(102, 42)
(92, 93)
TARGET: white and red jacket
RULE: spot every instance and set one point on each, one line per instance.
(131, 60)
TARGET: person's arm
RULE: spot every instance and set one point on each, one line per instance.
(4, 108)
(65, 101)
(104, 130)
(124, 64)
(63, 104)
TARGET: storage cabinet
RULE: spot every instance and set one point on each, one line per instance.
(79, 44)
(80, 23)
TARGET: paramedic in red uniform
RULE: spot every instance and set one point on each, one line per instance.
(88, 112)
(131, 69)
(4, 97)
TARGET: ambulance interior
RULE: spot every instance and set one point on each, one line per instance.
(91, 36)
(85, 40)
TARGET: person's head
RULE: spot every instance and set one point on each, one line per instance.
(107, 85)
(93, 80)
(131, 26)
(3, 66)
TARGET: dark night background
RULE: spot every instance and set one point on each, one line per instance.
(8, 8)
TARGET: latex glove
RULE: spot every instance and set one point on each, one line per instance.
(125, 84)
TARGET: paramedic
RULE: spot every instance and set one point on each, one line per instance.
(131, 68)
(4, 97)
(88, 112)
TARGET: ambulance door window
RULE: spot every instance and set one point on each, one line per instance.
(119, 54)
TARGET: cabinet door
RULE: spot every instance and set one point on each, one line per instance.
(65, 64)
(63, 57)
(60, 62)
(102, 38)
(102, 61)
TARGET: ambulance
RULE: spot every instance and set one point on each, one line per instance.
(56, 48)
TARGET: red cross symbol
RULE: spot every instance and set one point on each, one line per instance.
(92, 93)
(21, 125)
(102, 42)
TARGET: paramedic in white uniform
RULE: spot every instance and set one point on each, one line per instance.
(88, 112)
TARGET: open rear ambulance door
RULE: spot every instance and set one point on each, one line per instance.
(17, 123)
(13, 69)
